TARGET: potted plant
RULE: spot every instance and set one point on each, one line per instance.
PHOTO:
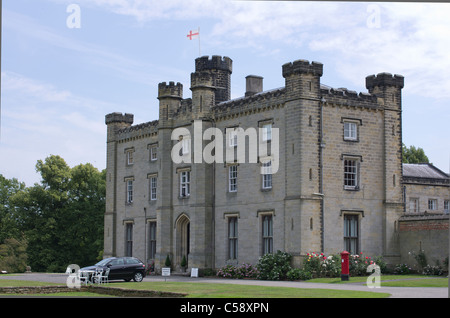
(167, 263)
(183, 263)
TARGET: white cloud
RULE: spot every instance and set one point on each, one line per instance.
(108, 58)
(14, 82)
(413, 39)
(39, 119)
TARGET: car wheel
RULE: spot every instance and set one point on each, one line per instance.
(138, 277)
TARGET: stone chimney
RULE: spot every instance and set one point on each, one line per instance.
(253, 85)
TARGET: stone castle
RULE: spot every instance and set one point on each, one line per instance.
(338, 185)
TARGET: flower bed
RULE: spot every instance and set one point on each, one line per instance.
(277, 266)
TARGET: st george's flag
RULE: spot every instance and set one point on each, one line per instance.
(193, 34)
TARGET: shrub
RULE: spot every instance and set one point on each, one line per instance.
(274, 266)
(228, 271)
(359, 263)
(13, 256)
(402, 269)
(313, 263)
(247, 271)
(432, 270)
(168, 262)
(331, 266)
(243, 271)
(298, 274)
(421, 259)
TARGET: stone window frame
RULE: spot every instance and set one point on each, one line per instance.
(357, 174)
(181, 171)
(129, 190)
(231, 136)
(446, 206)
(229, 167)
(152, 229)
(357, 122)
(150, 178)
(153, 151)
(415, 200)
(353, 214)
(264, 162)
(128, 237)
(266, 236)
(232, 241)
(432, 204)
(264, 135)
(129, 157)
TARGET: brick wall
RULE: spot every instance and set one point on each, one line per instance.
(424, 232)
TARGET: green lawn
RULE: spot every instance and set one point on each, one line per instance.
(392, 281)
(208, 290)
(222, 290)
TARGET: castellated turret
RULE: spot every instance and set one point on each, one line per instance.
(387, 88)
(213, 73)
(170, 96)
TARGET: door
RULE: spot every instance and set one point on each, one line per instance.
(117, 268)
(183, 239)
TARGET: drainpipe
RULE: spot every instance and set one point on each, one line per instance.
(145, 237)
(321, 146)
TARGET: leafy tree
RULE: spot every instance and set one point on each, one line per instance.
(8, 225)
(413, 155)
(62, 217)
(13, 257)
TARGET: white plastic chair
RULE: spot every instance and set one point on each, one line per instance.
(103, 278)
(84, 277)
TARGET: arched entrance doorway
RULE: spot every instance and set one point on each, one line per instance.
(182, 239)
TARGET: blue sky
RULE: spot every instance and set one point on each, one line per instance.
(59, 82)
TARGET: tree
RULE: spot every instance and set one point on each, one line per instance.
(13, 257)
(8, 225)
(62, 217)
(413, 155)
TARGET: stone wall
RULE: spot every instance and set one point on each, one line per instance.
(427, 232)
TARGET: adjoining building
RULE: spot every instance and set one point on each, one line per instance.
(424, 225)
(329, 178)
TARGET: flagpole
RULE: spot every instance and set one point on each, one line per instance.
(199, 51)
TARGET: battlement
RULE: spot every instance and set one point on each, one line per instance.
(215, 62)
(302, 67)
(345, 97)
(203, 79)
(119, 118)
(384, 79)
(170, 90)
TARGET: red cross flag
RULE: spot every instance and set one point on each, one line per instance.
(193, 34)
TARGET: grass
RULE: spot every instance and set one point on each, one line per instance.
(392, 281)
(21, 283)
(208, 290)
(223, 290)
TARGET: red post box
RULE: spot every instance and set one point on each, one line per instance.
(344, 265)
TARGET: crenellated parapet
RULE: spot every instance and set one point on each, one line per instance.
(302, 67)
(212, 73)
(170, 90)
(214, 63)
(345, 97)
(138, 131)
(203, 79)
(384, 79)
(119, 118)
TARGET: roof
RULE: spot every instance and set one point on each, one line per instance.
(423, 170)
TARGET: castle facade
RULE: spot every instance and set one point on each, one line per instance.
(329, 177)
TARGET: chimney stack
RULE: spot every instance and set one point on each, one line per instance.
(253, 85)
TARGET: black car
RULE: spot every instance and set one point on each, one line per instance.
(126, 268)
